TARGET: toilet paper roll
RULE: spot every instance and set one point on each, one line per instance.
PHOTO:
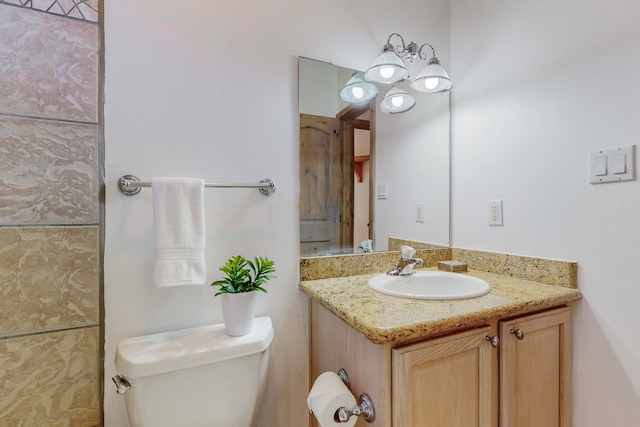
(327, 395)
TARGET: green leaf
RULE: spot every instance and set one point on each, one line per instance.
(243, 275)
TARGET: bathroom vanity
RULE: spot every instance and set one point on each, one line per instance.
(502, 359)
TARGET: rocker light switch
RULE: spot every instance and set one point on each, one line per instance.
(600, 165)
(619, 163)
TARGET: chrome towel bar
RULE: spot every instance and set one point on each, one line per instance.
(130, 185)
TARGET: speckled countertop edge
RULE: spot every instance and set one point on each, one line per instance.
(323, 267)
(387, 319)
(543, 270)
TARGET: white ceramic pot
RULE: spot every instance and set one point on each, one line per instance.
(238, 312)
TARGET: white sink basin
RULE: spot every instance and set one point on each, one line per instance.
(431, 285)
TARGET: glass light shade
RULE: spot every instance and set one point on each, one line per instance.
(432, 79)
(397, 101)
(387, 69)
(358, 91)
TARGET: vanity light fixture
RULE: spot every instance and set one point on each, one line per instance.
(389, 69)
(397, 101)
(358, 91)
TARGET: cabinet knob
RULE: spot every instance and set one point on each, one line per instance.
(519, 333)
(494, 340)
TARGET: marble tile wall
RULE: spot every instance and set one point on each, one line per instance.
(50, 379)
(86, 10)
(49, 172)
(50, 224)
(49, 65)
(49, 279)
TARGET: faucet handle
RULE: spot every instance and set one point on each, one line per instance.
(407, 252)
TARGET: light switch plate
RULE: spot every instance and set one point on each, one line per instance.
(382, 191)
(612, 165)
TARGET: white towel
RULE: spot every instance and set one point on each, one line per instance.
(178, 222)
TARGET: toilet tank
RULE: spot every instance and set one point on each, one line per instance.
(198, 377)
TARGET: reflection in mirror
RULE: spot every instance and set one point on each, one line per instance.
(366, 175)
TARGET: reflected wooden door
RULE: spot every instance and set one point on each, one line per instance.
(320, 184)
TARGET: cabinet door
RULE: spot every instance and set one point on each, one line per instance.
(444, 382)
(535, 374)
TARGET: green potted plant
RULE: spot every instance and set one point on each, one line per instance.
(238, 291)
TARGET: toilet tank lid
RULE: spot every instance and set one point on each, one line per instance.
(187, 348)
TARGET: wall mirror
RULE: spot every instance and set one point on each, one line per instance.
(369, 175)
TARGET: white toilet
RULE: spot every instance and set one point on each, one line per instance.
(196, 377)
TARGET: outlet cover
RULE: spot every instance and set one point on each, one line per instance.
(382, 190)
(495, 212)
(419, 212)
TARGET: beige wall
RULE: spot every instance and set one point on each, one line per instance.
(174, 108)
(530, 102)
(50, 335)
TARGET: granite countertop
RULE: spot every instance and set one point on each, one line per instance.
(386, 319)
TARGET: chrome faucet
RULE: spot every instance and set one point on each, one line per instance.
(407, 262)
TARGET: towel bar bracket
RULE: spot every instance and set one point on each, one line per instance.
(124, 185)
(130, 185)
(268, 187)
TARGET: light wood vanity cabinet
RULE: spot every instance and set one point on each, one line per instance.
(458, 380)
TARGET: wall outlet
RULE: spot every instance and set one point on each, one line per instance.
(419, 212)
(495, 212)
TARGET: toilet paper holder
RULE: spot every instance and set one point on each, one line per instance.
(364, 408)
